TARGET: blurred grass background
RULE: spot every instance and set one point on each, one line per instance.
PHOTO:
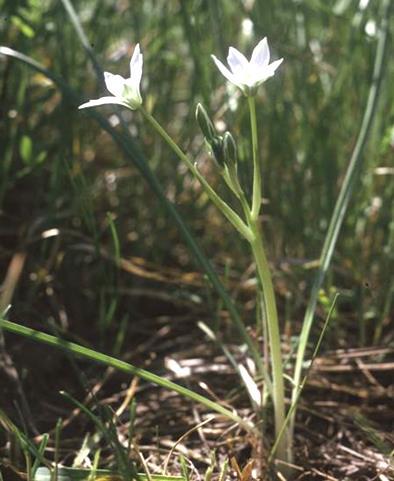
(67, 191)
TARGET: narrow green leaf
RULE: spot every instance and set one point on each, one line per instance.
(341, 206)
(101, 358)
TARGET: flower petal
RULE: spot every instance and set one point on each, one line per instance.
(136, 64)
(273, 66)
(131, 93)
(225, 71)
(237, 61)
(114, 83)
(103, 101)
(266, 72)
(261, 54)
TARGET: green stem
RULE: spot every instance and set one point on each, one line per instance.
(229, 214)
(271, 315)
(232, 216)
(256, 202)
(121, 366)
(245, 207)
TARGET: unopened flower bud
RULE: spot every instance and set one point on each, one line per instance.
(205, 123)
(230, 171)
(217, 149)
(229, 150)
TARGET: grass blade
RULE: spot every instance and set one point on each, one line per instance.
(123, 366)
(352, 174)
(106, 427)
(83, 38)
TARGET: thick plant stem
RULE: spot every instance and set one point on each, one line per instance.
(271, 315)
(256, 200)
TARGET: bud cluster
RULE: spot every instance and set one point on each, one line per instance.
(223, 148)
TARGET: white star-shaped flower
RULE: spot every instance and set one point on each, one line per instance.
(245, 74)
(124, 92)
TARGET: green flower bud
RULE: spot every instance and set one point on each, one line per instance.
(230, 171)
(230, 150)
(205, 123)
(217, 150)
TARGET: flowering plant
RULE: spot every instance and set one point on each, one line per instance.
(247, 75)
